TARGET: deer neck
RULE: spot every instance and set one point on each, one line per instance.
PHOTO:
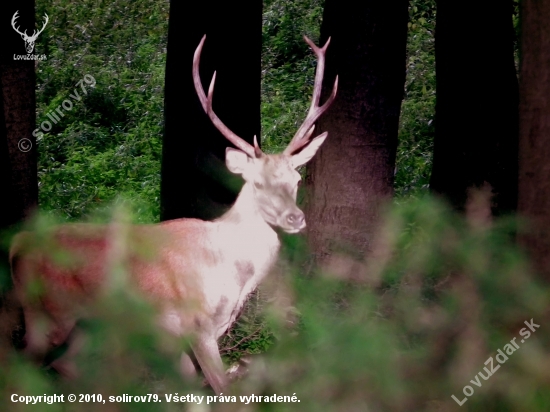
(253, 242)
(245, 212)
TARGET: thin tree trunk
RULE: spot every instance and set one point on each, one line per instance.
(476, 139)
(534, 149)
(352, 175)
(194, 177)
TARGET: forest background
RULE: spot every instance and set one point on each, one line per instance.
(404, 327)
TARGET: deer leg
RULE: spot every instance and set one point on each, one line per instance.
(172, 322)
(46, 332)
(187, 368)
(65, 364)
(37, 326)
(208, 355)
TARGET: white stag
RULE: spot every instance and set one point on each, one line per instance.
(216, 264)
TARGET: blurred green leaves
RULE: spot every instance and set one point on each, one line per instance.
(402, 329)
(414, 322)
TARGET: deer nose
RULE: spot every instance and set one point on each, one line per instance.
(296, 219)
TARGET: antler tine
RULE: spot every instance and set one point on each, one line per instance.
(13, 19)
(302, 142)
(47, 19)
(206, 103)
(303, 134)
(319, 72)
(196, 77)
(257, 151)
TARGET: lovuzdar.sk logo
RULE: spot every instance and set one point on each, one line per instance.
(29, 40)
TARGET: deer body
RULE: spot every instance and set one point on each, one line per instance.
(237, 252)
(232, 255)
(200, 273)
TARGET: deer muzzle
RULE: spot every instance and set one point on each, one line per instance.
(294, 221)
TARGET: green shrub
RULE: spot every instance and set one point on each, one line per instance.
(402, 330)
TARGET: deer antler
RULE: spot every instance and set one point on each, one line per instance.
(303, 135)
(34, 34)
(206, 102)
(13, 19)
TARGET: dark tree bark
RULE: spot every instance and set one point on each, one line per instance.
(194, 177)
(534, 148)
(476, 139)
(352, 174)
(18, 168)
(17, 119)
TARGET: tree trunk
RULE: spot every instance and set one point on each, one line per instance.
(18, 119)
(534, 148)
(476, 140)
(194, 177)
(18, 168)
(352, 175)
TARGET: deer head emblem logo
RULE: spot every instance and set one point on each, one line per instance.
(29, 40)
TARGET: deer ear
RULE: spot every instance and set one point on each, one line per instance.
(236, 160)
(309, 151)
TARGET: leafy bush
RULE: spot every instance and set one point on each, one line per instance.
(288, 68)
(416, 124)
(403, 330)
(108, 145)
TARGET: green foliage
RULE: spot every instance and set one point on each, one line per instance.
(288, 68)
(416, 124)
(402, 331)
(108, 145)
(250, 334)
(440, 297)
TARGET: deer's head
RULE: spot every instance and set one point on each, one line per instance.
(273, 178)
(29, 40)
